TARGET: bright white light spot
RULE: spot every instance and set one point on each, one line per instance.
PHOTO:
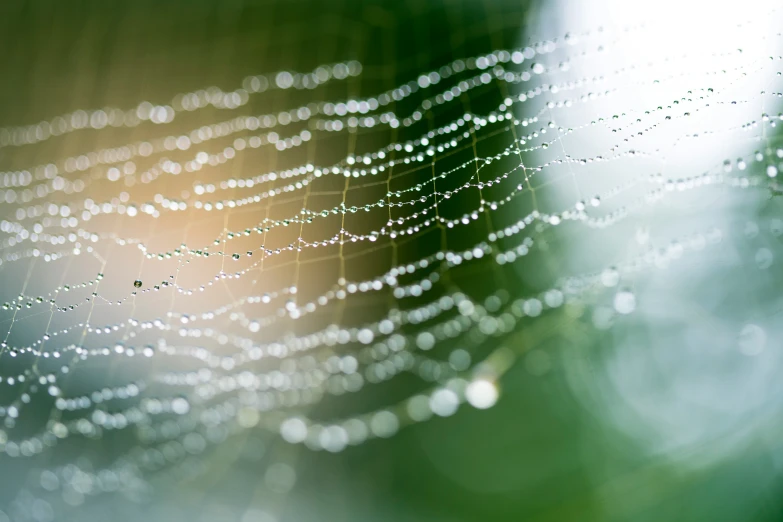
(624, 302)
(482, 394)
(293, 430)
(444, 402)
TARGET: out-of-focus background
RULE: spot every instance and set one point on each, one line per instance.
(448, 260)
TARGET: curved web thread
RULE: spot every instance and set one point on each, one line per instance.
(260, 353)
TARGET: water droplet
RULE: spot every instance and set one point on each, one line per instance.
(624, 302)
(610, 277)
(764, 258)
(752, 340)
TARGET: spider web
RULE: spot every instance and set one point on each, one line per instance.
(330, 271)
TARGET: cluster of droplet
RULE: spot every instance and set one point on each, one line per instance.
(227, 391)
